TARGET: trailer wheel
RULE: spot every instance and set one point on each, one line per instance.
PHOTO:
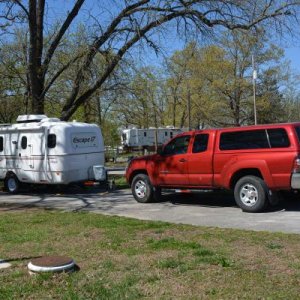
(143, 191)
(251, 194)
(12, 184)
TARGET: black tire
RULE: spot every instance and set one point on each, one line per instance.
(143, 191)
(275, 198)
(12, 184)
(251, 194)
(156, 194)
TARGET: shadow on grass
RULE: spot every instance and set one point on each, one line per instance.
(17, 259)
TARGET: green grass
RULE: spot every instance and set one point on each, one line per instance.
(122, 258)
(119, 181)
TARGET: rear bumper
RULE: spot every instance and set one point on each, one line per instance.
(295, 182)
(99, 173)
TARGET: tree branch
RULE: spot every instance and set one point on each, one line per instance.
(59, 72)
(71, 16)
(18, 2)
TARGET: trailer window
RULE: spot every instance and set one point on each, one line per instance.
(1, 143)
(24, 142)
(145, 133)
(51, 141)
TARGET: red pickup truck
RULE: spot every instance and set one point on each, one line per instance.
(254, 161)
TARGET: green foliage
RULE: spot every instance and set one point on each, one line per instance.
(215, 81)
(13, 93)
(270, 102)
(218, 80)
(144, 102)
(110, 133)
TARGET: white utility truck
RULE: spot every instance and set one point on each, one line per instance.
(42, 150)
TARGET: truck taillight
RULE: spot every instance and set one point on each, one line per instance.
(296, 168)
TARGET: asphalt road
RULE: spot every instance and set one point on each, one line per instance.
(206, 209)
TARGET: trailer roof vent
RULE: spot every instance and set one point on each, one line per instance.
(30, 118)
(50, 120)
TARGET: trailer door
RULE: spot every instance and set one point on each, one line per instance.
(25, 152)
(11, 151)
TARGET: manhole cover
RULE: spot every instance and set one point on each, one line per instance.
(51, 264)
(4, 264)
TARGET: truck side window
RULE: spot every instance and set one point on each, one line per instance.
(177, 146)
(24, 142)
(238, 140)
(1, 143)
(278, 138)
(298, 132)
(200, 143)
(51, 141)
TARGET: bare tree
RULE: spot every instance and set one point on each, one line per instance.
(134, 23)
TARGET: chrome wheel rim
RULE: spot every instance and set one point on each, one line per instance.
(140, 189)
(249, 194)
(11, 184)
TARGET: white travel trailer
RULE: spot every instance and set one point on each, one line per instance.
(147, 138)
(44, 150)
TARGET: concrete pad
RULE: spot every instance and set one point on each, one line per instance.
(214, 209)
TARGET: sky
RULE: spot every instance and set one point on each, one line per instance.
(293, 54)
(292, 48)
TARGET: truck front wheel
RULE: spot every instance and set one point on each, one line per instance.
(143, 191)
(250, 194)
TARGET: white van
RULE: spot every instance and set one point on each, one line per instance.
(44, 150)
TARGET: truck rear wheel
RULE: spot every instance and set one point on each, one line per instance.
(251, 194)
(12, 184)
(143, 191)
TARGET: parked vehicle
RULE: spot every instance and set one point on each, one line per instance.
(256, 162)
(44, 150)
(147, 138)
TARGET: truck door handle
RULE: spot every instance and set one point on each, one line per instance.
(182, 160)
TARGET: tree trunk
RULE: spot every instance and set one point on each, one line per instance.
(36, 78)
